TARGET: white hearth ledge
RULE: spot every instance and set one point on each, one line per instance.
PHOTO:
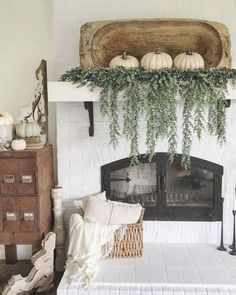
(68, 92)
(164, 269)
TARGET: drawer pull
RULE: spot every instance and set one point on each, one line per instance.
(28, 216)
(10, 216)
(26, 178)
(8, 179)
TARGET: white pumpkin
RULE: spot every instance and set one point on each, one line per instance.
(6, 119)
(189, 60)
(156, 60)
(28, 129)
(18, 144)
(124, 60)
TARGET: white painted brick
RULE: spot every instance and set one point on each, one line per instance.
(115, 290)
(157, 290)
(80, 158)
(146, 290)
(74, 290)
(103, 290)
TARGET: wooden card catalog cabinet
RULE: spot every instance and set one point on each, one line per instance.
(26, 178)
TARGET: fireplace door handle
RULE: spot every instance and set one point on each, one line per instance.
(127, 179)
(163, 183)
(159, 183)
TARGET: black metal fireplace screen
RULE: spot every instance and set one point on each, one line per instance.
(167, 191)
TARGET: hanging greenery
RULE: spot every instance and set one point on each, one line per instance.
(153, 94)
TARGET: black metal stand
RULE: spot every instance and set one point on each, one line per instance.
(222, 247)
(233, 246)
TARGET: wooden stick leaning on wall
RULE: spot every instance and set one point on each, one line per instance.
(39, 105)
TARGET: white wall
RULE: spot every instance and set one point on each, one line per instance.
(26, 38)
(70, 15)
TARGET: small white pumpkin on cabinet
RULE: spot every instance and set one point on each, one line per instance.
(156, 60)
(28, 129)
(189, 60)
(18, 144)
(6, 119)
(124, 60)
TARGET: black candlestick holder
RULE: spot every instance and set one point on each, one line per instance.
(233, 246)
(222, 247)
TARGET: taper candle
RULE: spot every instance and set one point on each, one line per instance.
(234, 200)
(222, 187)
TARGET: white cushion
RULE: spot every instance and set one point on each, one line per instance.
(111, 212)
(81, 204)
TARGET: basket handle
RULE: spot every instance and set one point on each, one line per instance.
(141, 216)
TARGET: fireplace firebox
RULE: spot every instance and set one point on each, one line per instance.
(167, 190)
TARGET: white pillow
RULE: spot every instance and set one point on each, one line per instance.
(111, 212)
(81, 204)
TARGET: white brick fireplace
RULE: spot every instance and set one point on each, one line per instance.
(80, 158)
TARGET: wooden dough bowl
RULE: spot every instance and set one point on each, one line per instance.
(101, 41)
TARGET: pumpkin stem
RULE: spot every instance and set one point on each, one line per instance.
(157, 51)
(124, 55)
(189, 51)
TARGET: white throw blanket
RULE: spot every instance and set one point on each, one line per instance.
(88, 242)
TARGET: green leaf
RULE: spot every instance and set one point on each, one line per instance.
(153, 94)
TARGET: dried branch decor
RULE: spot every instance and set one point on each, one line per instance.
(153, 94)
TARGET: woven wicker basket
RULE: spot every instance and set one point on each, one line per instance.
(132, 243)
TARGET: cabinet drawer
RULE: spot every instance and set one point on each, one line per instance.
(10, 212)
(26, 184)
(26, 176)
(8, 176)
(17, 176)
(28, 214)
(26, 165)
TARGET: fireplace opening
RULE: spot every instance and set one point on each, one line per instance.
(167, 191)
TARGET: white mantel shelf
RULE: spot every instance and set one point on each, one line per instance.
(68, 92)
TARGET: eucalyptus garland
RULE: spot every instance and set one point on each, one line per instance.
(153, 94)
